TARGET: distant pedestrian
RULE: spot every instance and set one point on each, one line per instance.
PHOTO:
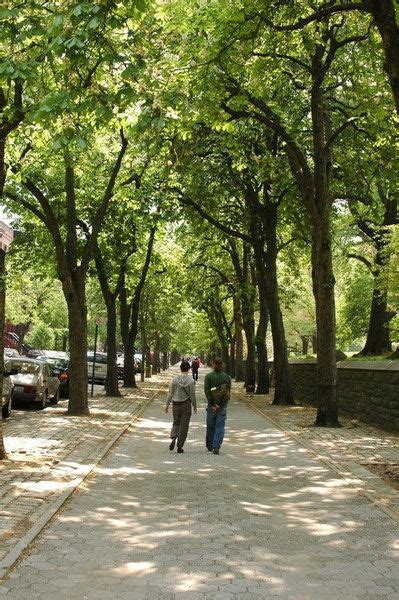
(182, 395)
(217, 388)
(195, 365)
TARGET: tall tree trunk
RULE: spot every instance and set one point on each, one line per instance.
(226, 357)
(266, 264)
(250, 368)
(164, 361)
(157, 353)
(323, 289)
(77, 322)
(239, 344)
(148, 365)
(3, 454)
(130, 313)
(143, 347)
(232, 357)
(129, 377)
(263, 379)
(111, 382)
(305, 344)
(384, 16)
(378, 341)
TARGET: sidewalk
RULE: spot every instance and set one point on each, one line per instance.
(51, 453)
(367, 457)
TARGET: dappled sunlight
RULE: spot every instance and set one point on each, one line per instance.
(153, 424)
(135, 568)
(265, 517)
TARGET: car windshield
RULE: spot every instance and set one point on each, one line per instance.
(22, 367)
(57, 363)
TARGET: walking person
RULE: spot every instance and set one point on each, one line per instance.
(194, 368)
(182, 395)
(217, 388)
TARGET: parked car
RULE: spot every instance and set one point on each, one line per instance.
(6, 399)
(10, 352)
(137, 362)
(59, 364)
(34, 353)
(120, 364)
(33, 381)
(100, 366)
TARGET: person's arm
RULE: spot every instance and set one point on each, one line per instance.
(207, 389)
(192, 395)
(169, 396)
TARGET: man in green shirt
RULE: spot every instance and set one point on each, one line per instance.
(217, 388)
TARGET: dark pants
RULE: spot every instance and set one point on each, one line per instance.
(215, 424)
(181, 421)
(195, 374)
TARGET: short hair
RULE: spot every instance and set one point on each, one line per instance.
(184, 366)
(218, 364)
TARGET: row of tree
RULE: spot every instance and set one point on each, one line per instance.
(261, 135)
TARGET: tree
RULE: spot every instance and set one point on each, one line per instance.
(61, 219)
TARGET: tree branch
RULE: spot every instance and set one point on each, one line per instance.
(102, 209)
(188, 202)
(318, 15)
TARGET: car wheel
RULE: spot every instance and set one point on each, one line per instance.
(55, 398)
(41, 405)
(6, 410)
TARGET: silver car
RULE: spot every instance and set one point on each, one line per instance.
(33, 381)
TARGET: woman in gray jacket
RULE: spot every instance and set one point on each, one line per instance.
(182, 395)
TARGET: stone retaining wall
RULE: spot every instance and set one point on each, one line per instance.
(366, 390)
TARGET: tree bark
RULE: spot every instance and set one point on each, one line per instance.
(378, 341)
(239, 344)
(130, 316)
(384, 16)
(232, 357)
(164, 361)
(77, 319)
(323, 289)
(263, 379)
(305, 344)
(3, 454)
(157, 353)
(267, 269)
(111, 382)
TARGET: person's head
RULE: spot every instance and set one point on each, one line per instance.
(185, 366)
(218, 364)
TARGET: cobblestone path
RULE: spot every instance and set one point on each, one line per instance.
(263, 519)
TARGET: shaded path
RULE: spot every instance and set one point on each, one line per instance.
(262, 519)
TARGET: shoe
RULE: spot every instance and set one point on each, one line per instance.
(172, 444)
(180, 450)
(215, 450)
(209, 448)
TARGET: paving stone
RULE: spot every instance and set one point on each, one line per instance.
(264, 519)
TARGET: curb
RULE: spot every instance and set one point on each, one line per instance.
(9, 560)
(328, 463)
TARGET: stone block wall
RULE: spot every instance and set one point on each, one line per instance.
(366, 390)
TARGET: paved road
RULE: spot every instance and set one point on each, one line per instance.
(263, 519)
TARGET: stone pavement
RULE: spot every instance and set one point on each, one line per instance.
(265, 518)
(367, 456)
(50, 453)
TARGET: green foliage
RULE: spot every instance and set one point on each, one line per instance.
(354, 306)
(41, 336)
